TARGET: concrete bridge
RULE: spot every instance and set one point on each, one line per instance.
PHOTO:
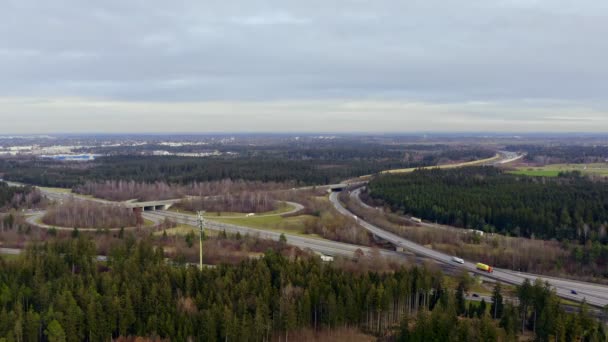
(337, 187)
(151, 205)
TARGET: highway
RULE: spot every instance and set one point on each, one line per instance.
(327, 247)
(594, 294)
(319, 245)
(509, 157)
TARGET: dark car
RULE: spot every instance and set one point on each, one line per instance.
(573, 292)
(475, 295)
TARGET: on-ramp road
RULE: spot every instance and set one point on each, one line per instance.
(594, 294)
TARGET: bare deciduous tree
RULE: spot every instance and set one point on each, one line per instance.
(85, 214)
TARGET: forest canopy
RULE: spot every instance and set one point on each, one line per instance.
(16, 196)
(83, 214)
(489, 199)
(563, 153)
(57, 292)
(303, 167)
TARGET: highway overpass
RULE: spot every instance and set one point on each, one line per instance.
(594, 294)
(151, 205)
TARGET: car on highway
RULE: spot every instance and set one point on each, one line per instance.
(573, 292)
(475, 295)
(458, 260)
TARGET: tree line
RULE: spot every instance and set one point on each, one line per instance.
(243, 202)
(17, 197)
(281, 164)
(85, 214)
(58, 292)
(567, 259)
(489, 199)
(544, 154)
(539, 312)
(122, 190)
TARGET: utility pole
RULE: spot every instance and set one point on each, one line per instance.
(201, 226)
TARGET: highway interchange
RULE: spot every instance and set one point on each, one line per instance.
(593, 294)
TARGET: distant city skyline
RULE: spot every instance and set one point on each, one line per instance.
(291, 66)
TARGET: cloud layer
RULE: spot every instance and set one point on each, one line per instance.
(385, 65)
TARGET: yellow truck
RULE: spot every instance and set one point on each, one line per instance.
(484, 267)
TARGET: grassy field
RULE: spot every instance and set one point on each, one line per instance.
(553, 170)
(283, 208)
(290, 225)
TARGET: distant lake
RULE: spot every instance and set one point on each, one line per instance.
(78, 157)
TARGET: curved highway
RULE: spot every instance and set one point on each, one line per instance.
(594, 294)
(320, 245)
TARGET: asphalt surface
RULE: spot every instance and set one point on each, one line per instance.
(594, 294)
(327, 247)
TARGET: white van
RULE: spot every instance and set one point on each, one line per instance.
(458, 260)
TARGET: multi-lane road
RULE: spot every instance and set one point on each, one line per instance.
(593, 293)
(316, 244)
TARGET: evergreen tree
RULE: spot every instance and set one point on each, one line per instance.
(497, 302)
(482, 309)
(460, 300)
(509, 320)
(54, 332)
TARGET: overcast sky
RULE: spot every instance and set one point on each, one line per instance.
(314, 65)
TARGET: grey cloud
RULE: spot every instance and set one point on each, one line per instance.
(434, 51)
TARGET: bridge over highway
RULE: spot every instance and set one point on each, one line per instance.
(151, 205)
(594, 294)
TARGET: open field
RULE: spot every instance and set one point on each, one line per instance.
(283, 208)
(553, 170)
(289, 225)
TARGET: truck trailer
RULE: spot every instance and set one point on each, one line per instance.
(484, 267)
